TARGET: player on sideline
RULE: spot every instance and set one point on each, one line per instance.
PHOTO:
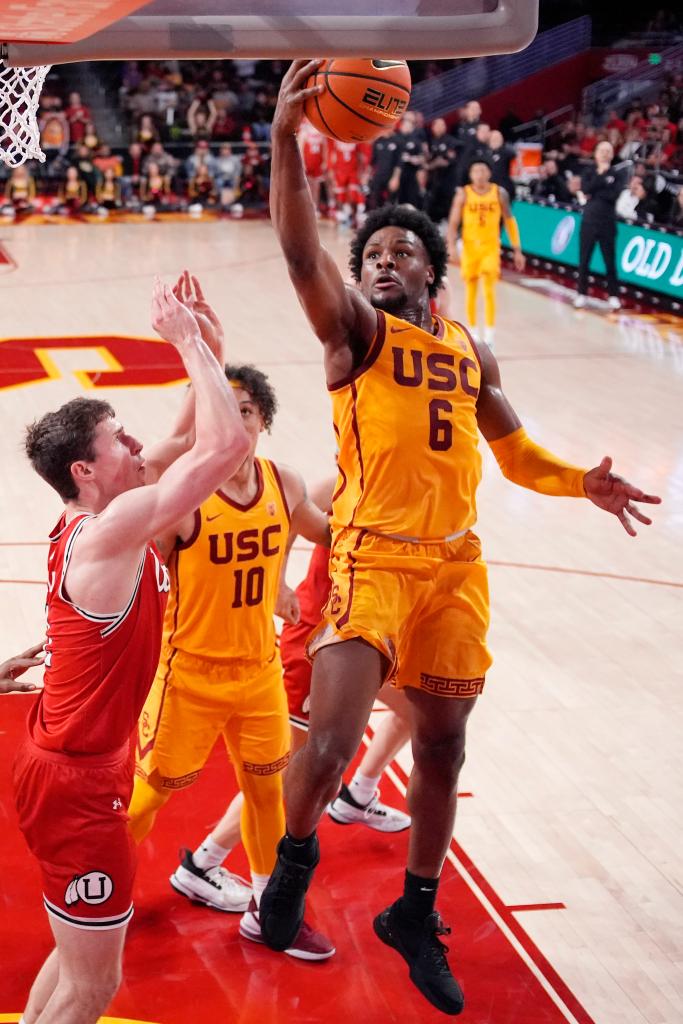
(220, 672)
(107, 588)
(479, 207)
(409, 591)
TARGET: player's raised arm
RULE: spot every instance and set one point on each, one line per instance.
(525, 463)
(181, 438)
(220, 446)
(341, 318)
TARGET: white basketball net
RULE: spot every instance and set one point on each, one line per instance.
(19, 132)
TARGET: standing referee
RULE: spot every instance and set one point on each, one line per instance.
(599, 189)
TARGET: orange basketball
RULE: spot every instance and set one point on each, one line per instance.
(362, 97)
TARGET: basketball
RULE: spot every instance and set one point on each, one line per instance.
(361, 99)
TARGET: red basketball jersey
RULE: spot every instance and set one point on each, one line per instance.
(98, 668)
(314, 150)
(345, 156)
(314, 589)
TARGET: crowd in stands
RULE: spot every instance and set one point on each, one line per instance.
(197, 134)
(423, 165)
(648, 144)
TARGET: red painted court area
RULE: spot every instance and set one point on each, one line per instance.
(185, 964)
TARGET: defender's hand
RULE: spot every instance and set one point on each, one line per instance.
(10, 670)
(189, 291)
(170, 318)
(614, 494)
(289, 111)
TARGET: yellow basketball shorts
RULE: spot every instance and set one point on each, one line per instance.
(477, 260)
(424, 606)
(193, 701)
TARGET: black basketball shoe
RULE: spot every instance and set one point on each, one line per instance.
(283, 902)
(425, 954)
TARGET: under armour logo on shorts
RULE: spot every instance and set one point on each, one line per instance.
(93, 888)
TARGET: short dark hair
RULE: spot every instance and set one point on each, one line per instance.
(259, 387)
(58, 439)
(412, 220)
(480, 160)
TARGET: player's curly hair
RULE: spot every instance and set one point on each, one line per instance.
(259, 387)
(412, 220)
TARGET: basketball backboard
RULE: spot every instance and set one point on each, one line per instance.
(35, 33)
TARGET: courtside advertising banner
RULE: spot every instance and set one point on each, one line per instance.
(646, 257)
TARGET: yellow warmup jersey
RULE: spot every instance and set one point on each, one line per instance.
(225, 577)
(481, 216)
(406, 426)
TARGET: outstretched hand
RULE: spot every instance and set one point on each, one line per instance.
(189, 291)
(614, 494)
(170, 318)
(289, 111)
(10, 670)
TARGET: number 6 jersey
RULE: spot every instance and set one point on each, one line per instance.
(409, 463)
(225, 576)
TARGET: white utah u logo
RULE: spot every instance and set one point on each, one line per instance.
(94, 887)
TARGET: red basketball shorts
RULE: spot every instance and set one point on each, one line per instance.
(297, 671)
(347, 186)
(74, 815)
(314, 167)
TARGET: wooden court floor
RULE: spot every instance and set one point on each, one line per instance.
(564, 880)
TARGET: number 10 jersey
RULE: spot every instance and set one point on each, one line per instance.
(225, 576)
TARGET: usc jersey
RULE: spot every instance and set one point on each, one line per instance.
(481, 215)
(409, 463)
(225, 577)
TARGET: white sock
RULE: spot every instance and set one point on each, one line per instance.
(489, 335)
(209, 854)
(258, 884)
(362, 788)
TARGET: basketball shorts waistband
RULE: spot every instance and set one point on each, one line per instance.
(406, 539)
(105, 760)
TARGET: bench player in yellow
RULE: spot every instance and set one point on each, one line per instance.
(220, 672)
(410, 394)
(479, 208)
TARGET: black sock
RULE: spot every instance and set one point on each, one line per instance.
(303, 851)
(419, 897)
